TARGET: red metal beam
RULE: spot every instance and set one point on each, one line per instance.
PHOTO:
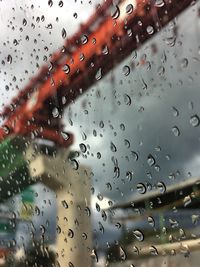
(75, 71)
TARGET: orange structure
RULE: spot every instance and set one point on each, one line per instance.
(108, 37)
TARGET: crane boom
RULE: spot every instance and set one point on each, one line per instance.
(108, 37)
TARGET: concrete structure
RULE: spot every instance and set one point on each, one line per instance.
(71, 183)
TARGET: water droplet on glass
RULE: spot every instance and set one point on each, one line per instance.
(175, 112)
(126, 70)
(84, 39)
(127, 99)
(141, 188)
(159, 3)
(88, 212)
(98, 75)
(24, 22)
(129, 8)
(75, 15)
(115, 12)
(150, 160)
(60, 3)
(139, 235)
(187, 201)
(151, 221)
(74, 164)
(50, 3)
(161, 187)
(113, 147)
(184, 63)
(94, 255)
(83, 148)
(135, 155)
(64, 203)
(176, 131)
(64, 33)
(66, 68)
(6, 129)
(150, 30)
(9, 59)
(70, 233)
(122, 254)
(55, 112)
(65, 135)
(153, 251)
(194, 121)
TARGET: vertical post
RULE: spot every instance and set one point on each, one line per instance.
(72, 188)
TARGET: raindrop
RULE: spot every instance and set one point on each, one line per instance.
(126, 70)
(88, 212)
(84, 39)
(65, 135)
(70, 233)
(127, 143)
(109, 186)
(175, 112)
(101, 124)
(127, 99)
(150, 30)
(105, 50)
(115, 12)
(159, 3)
(136, 250)
(113, 147)
(122, 127)
(74, 164)
(55, 112)
(176, 131)
(98, 207)
(171, 41)
(94, 255)
(139, 235)
(135, 155)
(58, 229)
(64, 33)
(64, 203)
(187, 201)
(141, 188)
(161, 71)
(122, 254)
(150, 160)
(151, 221)
(24, 22)
(129, 176)
(98, 75)
(101, 228)
(43, 230)
(98, 155)
(161, 187)
(129, 9)
(6, 129)
(184, 63)
(50, 3)
(66, 69)
(84, 236)
(195, 218)
(194, 121)
(75, 15)
(9, 59)
(153, 251)
(60, 3)
(83, 147)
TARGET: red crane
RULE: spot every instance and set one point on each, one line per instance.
(108, 37)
